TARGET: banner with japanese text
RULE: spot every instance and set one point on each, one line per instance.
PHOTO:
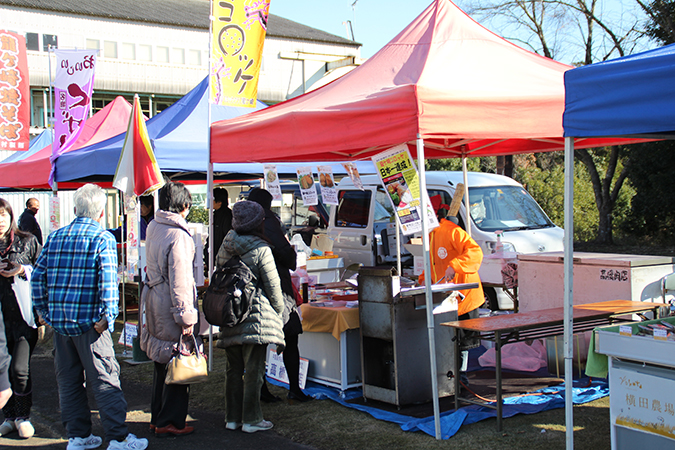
(399, 177)
(239, 28)
(73, 85)
(14, 93)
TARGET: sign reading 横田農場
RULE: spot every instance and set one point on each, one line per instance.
(239, 28)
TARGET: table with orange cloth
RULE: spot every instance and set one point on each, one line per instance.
(331, 342)
(326, 319)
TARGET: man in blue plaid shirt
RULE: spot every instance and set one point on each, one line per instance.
(75, 290)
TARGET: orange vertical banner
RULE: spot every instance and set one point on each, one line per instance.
(239, 28)
(14, 92)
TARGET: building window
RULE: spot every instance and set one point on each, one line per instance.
(178, 56)
(162, 54)
(128, 51)
(93, 44)
(49, 40)
(194, 57)
(110, 49)
(32, 42)
(144, 52)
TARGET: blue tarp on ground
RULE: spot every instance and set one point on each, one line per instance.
(584, 391)
(451, 421)
(626, 96)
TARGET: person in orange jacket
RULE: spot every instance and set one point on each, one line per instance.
(457, 257)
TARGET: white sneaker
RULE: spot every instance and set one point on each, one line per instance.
(90, 442)
(130, 443)
(25, 428)
(232, 425)
(263, 425)
(7, 427)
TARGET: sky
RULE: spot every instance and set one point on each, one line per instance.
(375, 22)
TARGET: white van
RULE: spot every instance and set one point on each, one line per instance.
(363, 230)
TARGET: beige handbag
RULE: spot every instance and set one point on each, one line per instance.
(187, 369)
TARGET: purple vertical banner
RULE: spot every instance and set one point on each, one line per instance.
(73, 86)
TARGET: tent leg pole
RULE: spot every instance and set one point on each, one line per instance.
(569, 297)
(466, 196)
(427, 286)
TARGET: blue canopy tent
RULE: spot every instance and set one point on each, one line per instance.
(39, 142)
(630, 96)
(179, 135)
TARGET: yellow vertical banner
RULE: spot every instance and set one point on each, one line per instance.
(239, 28)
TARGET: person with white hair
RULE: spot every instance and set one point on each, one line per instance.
(75, 290)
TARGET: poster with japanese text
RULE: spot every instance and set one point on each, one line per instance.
(327, 182)
(272, 181)
(133, 233)
(54, 213)
(353, 173)
(73, 86)
(307, 186)
(399, 177)
(14, 93)
(239, 28)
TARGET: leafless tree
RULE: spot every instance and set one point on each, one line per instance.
(578, 32)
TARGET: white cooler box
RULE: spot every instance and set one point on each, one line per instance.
(597, 277)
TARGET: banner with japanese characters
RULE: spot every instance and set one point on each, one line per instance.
(327, 182)
(399, 177)
(307, 186)
(73, 85)
(239, 28)
(14, 93)
(272, 181)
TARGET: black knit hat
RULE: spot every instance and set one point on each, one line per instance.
(246, 216)
(261, 197)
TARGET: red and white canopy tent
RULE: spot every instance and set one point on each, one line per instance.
(444, 85)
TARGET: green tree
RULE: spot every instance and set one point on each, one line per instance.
(661, 23)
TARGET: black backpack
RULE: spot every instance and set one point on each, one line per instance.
(227, 301)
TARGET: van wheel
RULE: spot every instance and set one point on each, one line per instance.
(491, 299)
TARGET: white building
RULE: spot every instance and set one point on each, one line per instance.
(160, 49)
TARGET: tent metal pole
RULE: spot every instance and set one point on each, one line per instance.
(398, 247)
(427, 287)
(569, 297)
(466, 196)
(209, 172)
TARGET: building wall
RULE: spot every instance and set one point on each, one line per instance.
(280, 78)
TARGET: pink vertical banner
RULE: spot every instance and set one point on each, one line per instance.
(73, 86)
(14, 92)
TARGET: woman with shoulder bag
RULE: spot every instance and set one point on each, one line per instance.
(246, 343)
(18, 253)
(169, 306)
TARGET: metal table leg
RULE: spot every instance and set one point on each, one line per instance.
(498, 370)
(457, 369)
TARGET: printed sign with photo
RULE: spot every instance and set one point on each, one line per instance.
(327, 182)
(272, 181)
(353, 173)
(399, 177)
(307, 186)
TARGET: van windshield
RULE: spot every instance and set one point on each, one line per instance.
(506, 208)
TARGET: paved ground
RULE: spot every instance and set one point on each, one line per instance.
(210, 432)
